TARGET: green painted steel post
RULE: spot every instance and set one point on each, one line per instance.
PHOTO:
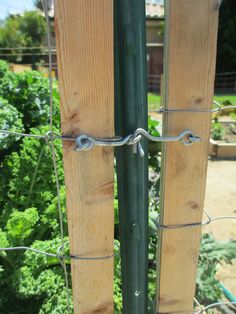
(132, 170)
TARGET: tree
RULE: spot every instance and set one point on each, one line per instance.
(38, 4)
(20, 31)
(12, 37)
(33, 26)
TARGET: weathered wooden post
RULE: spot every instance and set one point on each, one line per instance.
(84, 30)
(190, 54)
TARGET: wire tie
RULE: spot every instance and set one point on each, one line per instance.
(188, 225)
(95, 258)
(196, 224)
(218, 109)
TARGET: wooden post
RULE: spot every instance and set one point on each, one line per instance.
(191, 35)
(84, 30)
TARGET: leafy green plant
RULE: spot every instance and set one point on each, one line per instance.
(233, 115)
(3, 68)
(10, 120)
(211, 254)
(29, 93)
(28, 202)
(226, 102)
(28, 175)
(217, 131)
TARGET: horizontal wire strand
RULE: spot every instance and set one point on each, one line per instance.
(86, 142)
(58, 255)
(196, 224)
(203, 309)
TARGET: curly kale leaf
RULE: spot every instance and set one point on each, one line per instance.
(29, 93)
(20, 225)
(28, 177)
(49, 216)
(40, 278)
(10, 120)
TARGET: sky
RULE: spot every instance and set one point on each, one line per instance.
(14, 6)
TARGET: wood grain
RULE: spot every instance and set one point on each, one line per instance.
(84, 30)
(191, 35)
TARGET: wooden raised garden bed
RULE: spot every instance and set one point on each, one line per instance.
(224, 144)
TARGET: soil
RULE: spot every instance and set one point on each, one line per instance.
(220, 200)
(229, 125)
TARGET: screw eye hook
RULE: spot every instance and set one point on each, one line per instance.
(188, 138)
(84, 142)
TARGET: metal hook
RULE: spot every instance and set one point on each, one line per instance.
(85, 142)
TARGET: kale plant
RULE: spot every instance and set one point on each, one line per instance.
(10, 120)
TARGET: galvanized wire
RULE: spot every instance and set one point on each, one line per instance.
(52, 135)
(205, 308)
(86, 142)
(58, 255)
(219, 108)
(196, 224)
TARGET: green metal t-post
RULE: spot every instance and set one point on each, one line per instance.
(132, 169)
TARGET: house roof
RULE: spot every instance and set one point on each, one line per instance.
(154, 9)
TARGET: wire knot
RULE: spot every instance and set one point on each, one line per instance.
(49, 136)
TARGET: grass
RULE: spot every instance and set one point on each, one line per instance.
(154, 100)
(230, 98)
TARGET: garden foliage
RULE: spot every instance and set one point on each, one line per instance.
(31, 282)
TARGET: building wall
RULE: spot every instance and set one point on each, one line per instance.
(155, 54)
(154, 30)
